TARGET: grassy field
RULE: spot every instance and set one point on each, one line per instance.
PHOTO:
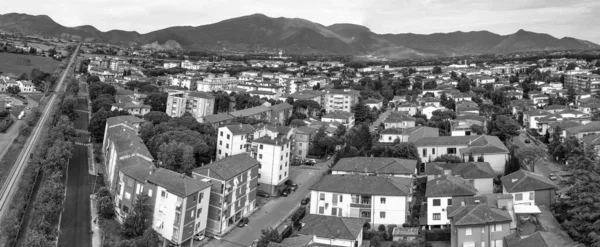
(18, 63)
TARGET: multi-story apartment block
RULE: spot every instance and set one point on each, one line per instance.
(340, 99)
(582, 82)
(303, 139)
(217, 84)
(234, 139)
(274, 156)
(199, 104)
(233, 192)
(381, 200)
(478, 225)
(439, 193)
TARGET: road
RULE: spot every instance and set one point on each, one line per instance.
(543, 166)
(273, 213)
(75, 228)
(380, 119)
(14, 176)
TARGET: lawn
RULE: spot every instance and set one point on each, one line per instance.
(18, 64)
(37, 97)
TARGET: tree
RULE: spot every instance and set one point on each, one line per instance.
(139, 219)
(436, 70)
(92, 79)
(35, 238)
(104, 203)
(98, 122)
(361, 113)
(297, 123)
(23, 77)
(99, 88)
(290, 100)
(578, 209)
(177, 156)
(158, 101)
(431, 84)
(504, 127)
(102, 102)
(14, 90)
(529, 156)
(268, 235)
(375, 241)
(464, 85)
(156, 117)
(512, 164)
(448, 158)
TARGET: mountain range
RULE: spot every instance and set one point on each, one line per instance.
(260, 33)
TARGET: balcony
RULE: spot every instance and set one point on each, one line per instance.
(360, 205)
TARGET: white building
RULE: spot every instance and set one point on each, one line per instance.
(234, 139)
(199, 104)
(382, 200)
(439, 194)
(274, 156)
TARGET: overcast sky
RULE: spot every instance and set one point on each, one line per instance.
(559, 18)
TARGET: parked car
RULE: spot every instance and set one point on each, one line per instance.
(243, 222)
(285, 192)
(552, 176)
(293, 187)
(310, 162)
(305, 201)
(262, 194)
(199, 237)
(527, 141)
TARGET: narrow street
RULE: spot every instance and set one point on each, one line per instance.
(380, 119)
(75, 223)
(276, 210)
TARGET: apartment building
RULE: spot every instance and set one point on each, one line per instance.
(381, 200)
(274, 156)
(479, 174)
(217, 84)
(234, 181)
(582, 82)
(234, 139)
(439, 193)
(342, 117)
(529, 188)
(303, 139)
(340, 99)
(199, 104)
(478, 225)
(376, 166)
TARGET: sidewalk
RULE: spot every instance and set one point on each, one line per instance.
(96, 240)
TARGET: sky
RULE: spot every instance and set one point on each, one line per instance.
(559, 18)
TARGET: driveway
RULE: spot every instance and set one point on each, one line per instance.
(275, 211)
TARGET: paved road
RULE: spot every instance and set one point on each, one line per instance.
(380, 119)
(75, 223)
(274, 211)
(14, 176)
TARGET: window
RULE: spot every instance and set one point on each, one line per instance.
(321, 210)
(482, 243)
(286, 164)
(150, 193)
(219, 151)
(260, 147)
(226, 145)
(424, 152)
(281, 167)
(241, 146)
(279, 177)
(260, 156)
(226, 154)
(227, 136)
(518, 197)
(450, 202)
(433, 151)
(322, 196)
(285, 174)
(334, 211)
(531, 196)
(200, 197)
(125, 209)
(281, 157)
(199, 212)
(300, 144)
(437, 216)
(221, 133)
(382, 200)
(482, 229)
(437, 202)
(192, 213)
(382, 215)
(198, 226)
(221, 143)
(259, 165)
(389, 138)
(469, 231)
(177, 218)
(163, 194)
(496, 243)
(451, 151)
(498, 227)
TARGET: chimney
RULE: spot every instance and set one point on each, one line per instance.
(514, 180)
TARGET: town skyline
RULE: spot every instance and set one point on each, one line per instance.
(423, 17)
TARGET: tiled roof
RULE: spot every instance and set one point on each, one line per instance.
(230, 167)
(449, 186)
(128, 119)
(197, 94)
(521, 181)
(298, 241)
(468, 170)
(250, 111)
(176, 183)
(127, 142)
(392, 131)
(366, 185)
(420, 132)
(591, 126)
(533, 240)
(332, 227)
(282, 106)
(271, 141)
(136, 167)
(378, 165)
(217, 118)
(481, 214)
(238, 129)
(306, 130)
(339, 115)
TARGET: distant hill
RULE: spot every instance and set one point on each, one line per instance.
(258, 32)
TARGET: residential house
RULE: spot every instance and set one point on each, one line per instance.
(374, 103)
(233, 190)
(399, 120)
(333, 231)
(26, 86)
(478, 225)
(303, 139)
(580, 131)
(467, 107)
(378, 166)
(407, 108)
(529, 188)
(316, 96)
(488, 148)
(381, 200)
(131, 103)
(388, 136)
(440, 193)
(479, 174)
(342, 117)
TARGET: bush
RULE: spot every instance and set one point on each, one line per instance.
(104, 203)
(5, 124)
(437, 234)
